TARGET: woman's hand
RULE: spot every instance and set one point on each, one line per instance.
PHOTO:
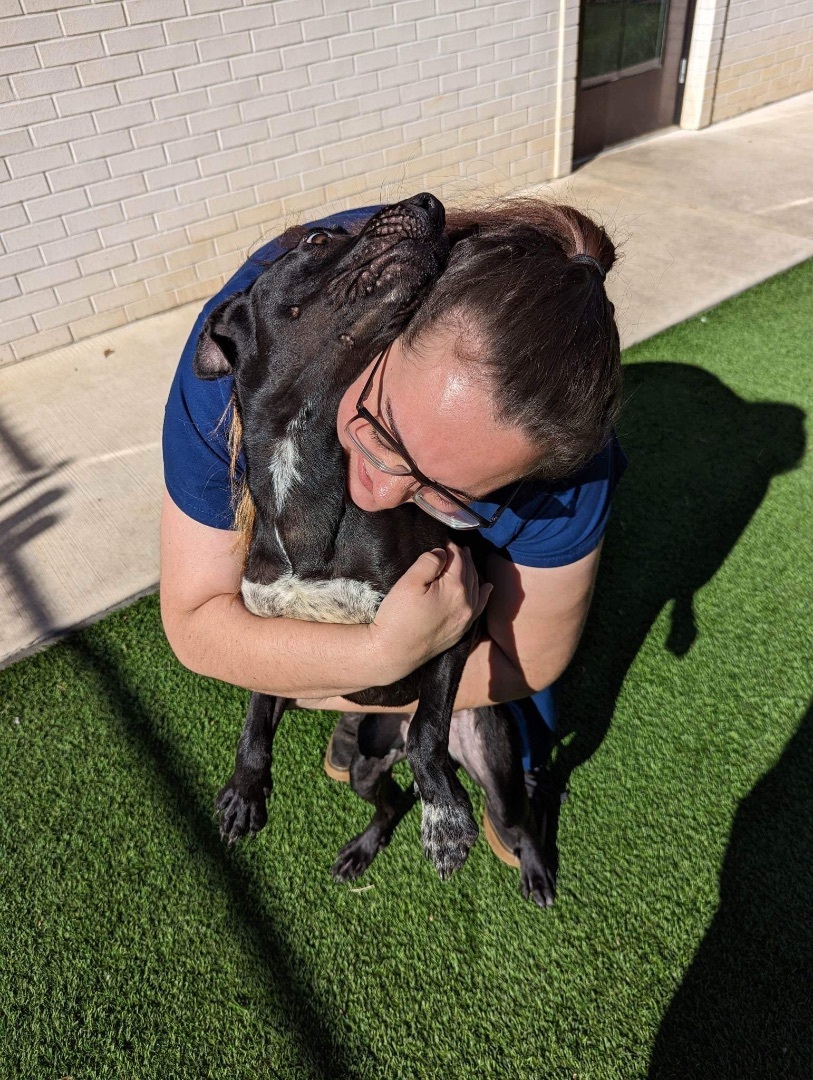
(428, 609)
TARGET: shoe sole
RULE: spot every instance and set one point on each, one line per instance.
(333, 771)
(503, 853)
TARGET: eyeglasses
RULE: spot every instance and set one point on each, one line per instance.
(386, 454)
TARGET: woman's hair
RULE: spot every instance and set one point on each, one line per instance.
(537, 319)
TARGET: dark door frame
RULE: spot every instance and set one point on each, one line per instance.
(611, 111)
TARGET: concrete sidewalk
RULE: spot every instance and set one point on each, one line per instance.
(699, 216)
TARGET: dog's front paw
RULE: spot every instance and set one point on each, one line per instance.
(448, 833)
(242, 809)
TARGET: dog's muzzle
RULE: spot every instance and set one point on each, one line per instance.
(402, 245)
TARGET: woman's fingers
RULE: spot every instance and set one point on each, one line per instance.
(427, 568)
(461, 561)
(459, 564)
(430, 607)
(472, 578)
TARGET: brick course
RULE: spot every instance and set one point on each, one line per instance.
(147, 145)
(746, 53)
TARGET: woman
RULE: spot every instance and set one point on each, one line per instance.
(502, 394)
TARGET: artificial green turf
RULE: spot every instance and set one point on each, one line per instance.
(136, 945)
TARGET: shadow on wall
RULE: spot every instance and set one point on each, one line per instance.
(701, 461)
(726, 1020)
(27, 510)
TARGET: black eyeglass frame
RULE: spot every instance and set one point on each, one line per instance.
(363, 413)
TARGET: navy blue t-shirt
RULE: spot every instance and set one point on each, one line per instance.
(546, 524)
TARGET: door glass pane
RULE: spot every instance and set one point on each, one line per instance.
(620, 34)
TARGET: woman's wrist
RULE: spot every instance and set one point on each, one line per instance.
(382, 663)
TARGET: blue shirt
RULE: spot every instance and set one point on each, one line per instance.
(546, 524)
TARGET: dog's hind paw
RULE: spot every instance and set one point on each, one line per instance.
(354, 858)
(240, 815)
(448, 833)
(536, 883)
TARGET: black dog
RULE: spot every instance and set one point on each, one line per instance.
(294, 341)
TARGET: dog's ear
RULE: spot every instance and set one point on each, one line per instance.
(226, 339)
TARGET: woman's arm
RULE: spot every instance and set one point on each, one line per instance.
(212, 633)
(534, 620)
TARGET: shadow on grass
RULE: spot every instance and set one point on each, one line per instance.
(296, 999)
(728, 1020)
(701, 460)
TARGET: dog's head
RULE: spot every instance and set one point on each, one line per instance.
(334, 300)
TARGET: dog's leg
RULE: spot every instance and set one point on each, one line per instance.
(448, 830)
(241, 804)
(485, 742)
(381, 745)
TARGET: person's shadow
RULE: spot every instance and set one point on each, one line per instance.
(29, 507)
(701, 461)
(727, 1021)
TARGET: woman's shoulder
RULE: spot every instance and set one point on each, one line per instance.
(557, 524)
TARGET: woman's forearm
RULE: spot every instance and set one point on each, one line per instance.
(212, 633)
(284, 657)
(489, 678)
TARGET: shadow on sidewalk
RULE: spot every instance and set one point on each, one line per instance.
(27, 510)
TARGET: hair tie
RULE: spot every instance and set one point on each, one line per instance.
(588, 260)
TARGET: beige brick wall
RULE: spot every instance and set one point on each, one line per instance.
(767, 54)
(148, 145)
(746, 53)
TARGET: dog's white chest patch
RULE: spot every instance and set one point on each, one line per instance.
(339, 600)
(284, 469)
(285, 459)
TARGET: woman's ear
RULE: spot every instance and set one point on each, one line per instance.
(226, 340)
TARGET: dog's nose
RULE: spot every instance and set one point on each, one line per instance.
(433, 207)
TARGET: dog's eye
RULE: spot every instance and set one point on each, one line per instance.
(318, 236)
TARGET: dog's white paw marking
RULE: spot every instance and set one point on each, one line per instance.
(336, 600)
(448, 833)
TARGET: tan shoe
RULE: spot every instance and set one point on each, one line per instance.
(335, 772)
(503, 852)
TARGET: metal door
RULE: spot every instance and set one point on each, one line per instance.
(632, 64)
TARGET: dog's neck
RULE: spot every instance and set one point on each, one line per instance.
(295, 473)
